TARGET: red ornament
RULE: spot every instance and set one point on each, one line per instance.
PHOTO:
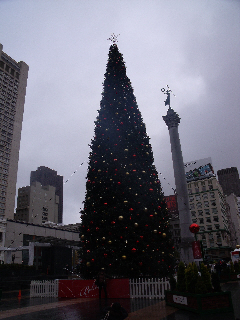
(194, 228)
(140, 263)
(134, 250)
(113, 222)
(105, 255)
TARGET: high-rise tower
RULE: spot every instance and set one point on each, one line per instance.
(47, 176)
(229, 180)
(13, 83)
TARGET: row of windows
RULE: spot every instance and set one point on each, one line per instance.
(203, 196)
(7, 68)
(206, 219)
(200, 205)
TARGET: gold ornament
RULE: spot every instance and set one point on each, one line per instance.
(124, 257)
(164, 235)
(155, 231)
(103, 238)
(135, 224)
(237, 246)
(88, 264)
(145, 209)
(163, 252)
(109, 242)
(155, 212)
(120, 218)
(125, 201)
(82, 236)
(127, 173)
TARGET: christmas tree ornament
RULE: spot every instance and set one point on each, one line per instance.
(194, 228)
(124, 257)
(120, 218)
(164, 235)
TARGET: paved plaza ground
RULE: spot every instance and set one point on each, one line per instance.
(12, 307)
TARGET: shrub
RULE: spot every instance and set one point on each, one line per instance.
(181, 284)
(206, 277)
(200, 286)
(191, 276)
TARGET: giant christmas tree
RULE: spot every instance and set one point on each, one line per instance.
(124, 221)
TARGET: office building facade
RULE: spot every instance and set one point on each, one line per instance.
(37, 204)
(209, 211)
(49, 177)
(13, 83)
(229, 180)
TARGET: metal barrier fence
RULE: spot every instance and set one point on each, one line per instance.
(149, 288)
(44, 288)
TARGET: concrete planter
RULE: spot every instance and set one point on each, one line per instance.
(200, 303)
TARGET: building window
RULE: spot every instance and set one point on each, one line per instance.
(207, 211)
(208, 219)
(217, 226)
(201, 220)
(213, 202)
(192, 206)
(191, 198)
(194, 220)
(209, 227)
(200, 212)
(189, 191)
(196, 190)
(215, 219)
(199, 205)
(193, 213)
(212, 195)
(205, 196)
(197, 197)
(206, 204)
(214, 210)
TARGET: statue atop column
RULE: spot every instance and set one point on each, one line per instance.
(172, 120)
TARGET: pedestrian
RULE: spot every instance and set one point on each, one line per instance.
(101, 283)
(116, 312)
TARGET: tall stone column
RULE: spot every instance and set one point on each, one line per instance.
(172, 120)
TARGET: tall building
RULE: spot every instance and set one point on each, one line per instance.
(208, 208)
(13, 83)
(47, 176)
(37, 204)
(229, 180)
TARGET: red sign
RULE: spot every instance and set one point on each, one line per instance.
(197, 253)
(171, 202)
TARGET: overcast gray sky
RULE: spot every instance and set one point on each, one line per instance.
(193, 46)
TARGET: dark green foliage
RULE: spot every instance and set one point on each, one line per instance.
(173, 283)
(216, 282)
(200, 287)
(14, 269)
(181, 281)
(124, 221)
(191, 276)
(206, 277)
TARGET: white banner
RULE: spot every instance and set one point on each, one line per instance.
(180, 299)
